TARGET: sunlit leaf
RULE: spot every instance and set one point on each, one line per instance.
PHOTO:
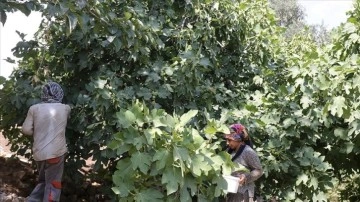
(72, 22)
(171, 178)
(338, 105)
(185, 118)
(149, 195)
(303, 178)
(161, 157)
(141, 161)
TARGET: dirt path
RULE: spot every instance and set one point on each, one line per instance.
(16, 176)
(5, 149)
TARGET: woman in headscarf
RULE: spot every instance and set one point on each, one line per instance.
(239, 146)
(46, 122)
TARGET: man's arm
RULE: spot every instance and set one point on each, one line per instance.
(28, 125)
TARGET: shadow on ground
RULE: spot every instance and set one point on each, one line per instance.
(18, 178)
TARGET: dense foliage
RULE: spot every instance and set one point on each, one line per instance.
(227, 61)
(171, 162)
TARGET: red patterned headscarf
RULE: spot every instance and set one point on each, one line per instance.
(236, 132)
(237, 128)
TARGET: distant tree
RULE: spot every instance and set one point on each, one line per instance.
(291, 15)
(320, 34)
(289, 12)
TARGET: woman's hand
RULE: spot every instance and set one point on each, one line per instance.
(242, 179)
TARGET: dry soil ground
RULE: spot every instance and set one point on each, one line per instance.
(18, 177)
